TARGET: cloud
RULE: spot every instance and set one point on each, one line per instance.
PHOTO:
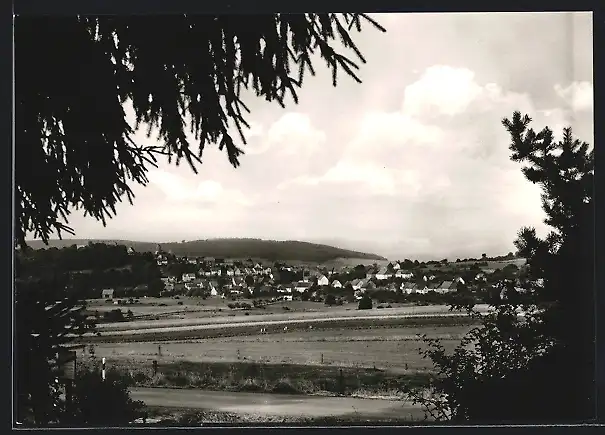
(578, 95)
(207, 192)
(412, 163)
(292, 134)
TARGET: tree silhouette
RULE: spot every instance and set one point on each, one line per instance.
(539, 366)
(74, 145)
(46, 318)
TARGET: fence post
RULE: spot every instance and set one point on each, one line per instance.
(322, 358)
(155, 367)
(103, 368)
(159, 350)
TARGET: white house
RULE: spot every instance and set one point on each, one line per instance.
(422, 289)
(408, 287)
(187, 277)
(383, 274)
(396, 266)
(444, 287)
(336, 284)
(322, 280)
(301, 286)
(404, 274)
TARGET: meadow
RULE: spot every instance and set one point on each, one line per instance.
(394, 349)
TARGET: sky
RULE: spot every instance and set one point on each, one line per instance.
(412, 163)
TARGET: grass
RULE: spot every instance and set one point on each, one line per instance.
(266, 378)
(197, 418)
(384, 348)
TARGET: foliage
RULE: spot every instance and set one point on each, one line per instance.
(330, 299)
(113, 316)
(95, 267)
(170, 69)
(103, 403)
(365, 303)
(47, 317)
(540, 366)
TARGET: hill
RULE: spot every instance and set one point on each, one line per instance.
(233, 248)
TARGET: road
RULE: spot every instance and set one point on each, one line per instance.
(275, 404)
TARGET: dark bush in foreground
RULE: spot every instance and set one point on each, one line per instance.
(365, 303)
(103, 403)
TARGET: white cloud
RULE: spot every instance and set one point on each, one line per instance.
(177, 189)
(578, 95)
(415, 160)
(444, 89)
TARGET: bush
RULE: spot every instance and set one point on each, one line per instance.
(103, 403)
(179, 303)
(365, 303)
(113, 315)
(330, 299)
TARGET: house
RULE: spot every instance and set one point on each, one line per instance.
(383, 274)
(336, 284)
(444, 287)
(195, 284)
(187, 277)
(359, 294)
(459, 280)
(287, 298)
(396, 266)
(322, 280)
(404, 274)
(107, 293)
(409, 287)
(423, 289)
(282, 289)
(131, 250)
(356, 284)
(237, 272)
(192, 260)
(371, 272)
(230, 272)
(213, 292)
(302, 286)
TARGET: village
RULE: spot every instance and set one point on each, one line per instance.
(208, 277)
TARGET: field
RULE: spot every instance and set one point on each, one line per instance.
(204, 345)
(394, 349)
(165, 312)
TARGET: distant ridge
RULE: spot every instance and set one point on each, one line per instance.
(272, 250)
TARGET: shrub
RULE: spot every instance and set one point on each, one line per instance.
(103, 403)
(365, 303)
